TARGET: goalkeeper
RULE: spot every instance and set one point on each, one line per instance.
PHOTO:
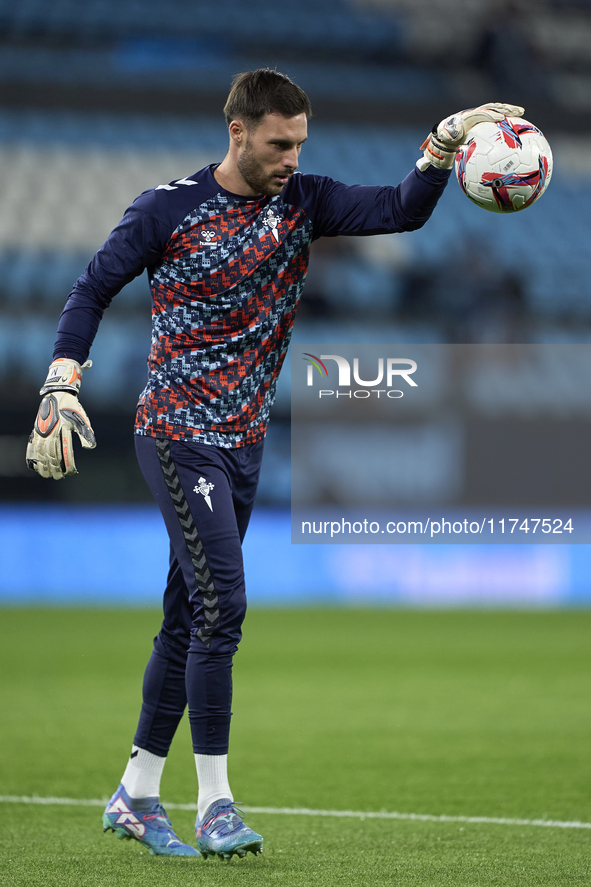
(226, 252)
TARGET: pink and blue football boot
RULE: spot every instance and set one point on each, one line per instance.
(144, 819)
(222, 832)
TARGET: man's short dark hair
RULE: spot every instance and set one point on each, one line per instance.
(256, 93)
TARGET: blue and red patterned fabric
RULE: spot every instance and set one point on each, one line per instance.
(226, 273)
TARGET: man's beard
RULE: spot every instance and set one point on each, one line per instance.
(252, 173)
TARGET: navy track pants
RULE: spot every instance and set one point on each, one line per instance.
(206, 495)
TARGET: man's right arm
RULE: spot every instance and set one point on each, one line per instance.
(136, 243)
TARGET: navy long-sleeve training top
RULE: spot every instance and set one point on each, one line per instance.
(226, 273)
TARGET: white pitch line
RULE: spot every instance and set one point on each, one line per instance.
(307, 811)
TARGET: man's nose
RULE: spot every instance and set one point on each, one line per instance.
(290, 159)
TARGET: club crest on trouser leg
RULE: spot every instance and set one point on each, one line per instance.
(204, 487)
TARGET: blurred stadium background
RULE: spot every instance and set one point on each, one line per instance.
(100, 100)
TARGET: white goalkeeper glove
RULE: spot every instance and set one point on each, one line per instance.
(50, 452)
(441, 145)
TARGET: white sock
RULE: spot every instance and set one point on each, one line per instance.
(212, 775)
(142, 774)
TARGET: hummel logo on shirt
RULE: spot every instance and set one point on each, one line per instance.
(207, 235)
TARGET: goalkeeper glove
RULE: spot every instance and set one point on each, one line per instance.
(441, 145)
(50, 452)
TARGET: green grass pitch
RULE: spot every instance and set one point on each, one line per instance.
(460, 713)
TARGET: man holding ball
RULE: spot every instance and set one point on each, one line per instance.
(226, 250)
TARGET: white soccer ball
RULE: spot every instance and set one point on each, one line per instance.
(504, 167)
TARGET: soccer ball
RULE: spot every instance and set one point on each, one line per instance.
(504, 167)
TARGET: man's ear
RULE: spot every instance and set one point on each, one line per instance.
(237, 132)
